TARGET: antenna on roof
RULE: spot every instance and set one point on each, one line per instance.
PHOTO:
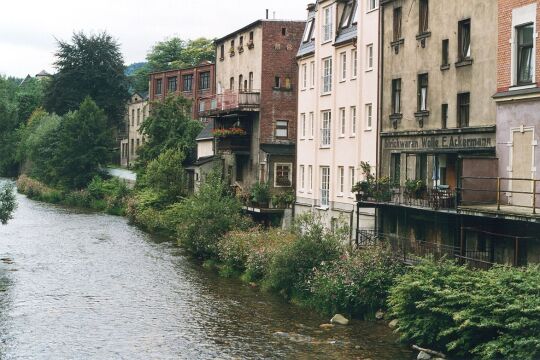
(267, 14)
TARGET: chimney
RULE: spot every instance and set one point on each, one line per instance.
(311, 7)
(266, 14)
(274, 15)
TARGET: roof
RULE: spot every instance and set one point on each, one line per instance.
(204, 160)
(206, 133)
(347, 34)
(308, 47)
(278, 149)
(43, 73)
(252, 25)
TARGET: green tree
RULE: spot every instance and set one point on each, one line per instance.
(167, 175)
(8, 203)
(169, 126)
(82, 145)
(89, 66)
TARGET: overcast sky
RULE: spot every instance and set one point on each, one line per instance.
(29, 27)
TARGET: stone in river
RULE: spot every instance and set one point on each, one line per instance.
(339, 319)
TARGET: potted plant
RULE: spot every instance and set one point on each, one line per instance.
(260, 194)
(415, 189)
(284, 199)
(234, 131)
(362, 190)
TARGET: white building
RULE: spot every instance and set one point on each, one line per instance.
(337, 107)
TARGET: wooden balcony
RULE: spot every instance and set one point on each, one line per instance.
(433, 199)
(234, 144)
(229, 101)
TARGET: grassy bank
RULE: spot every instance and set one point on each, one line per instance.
(109, 196)
(466, 313)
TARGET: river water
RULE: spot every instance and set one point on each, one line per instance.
(77, 285)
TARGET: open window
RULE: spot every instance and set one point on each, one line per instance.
(347, 14)
(308, 31)
(525, 48)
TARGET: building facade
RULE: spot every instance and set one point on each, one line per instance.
(192, 83)
(337, 107)
(438, 169)
(137, 112)
(254, 109)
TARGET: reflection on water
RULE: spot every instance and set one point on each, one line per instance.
(80, 285)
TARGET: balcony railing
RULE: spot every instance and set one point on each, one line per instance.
(230, 101)
(433, 198)
(233, 143)
(412, 251)
(511, 195)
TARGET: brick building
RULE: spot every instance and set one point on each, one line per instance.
(192, 83)
(254, 109)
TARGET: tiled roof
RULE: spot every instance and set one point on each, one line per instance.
(206, 133)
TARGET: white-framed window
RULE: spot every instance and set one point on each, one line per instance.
(352, 178)
(304, 76)
(312, 71)
(327, 75)
(355, 13)
(342, 122)
(369, 116)
(325, 186)
(326, 128)
(354, 63)
(302, 178)
(328, 24)
(310, 178)
(282, 129)
(282, 175)
(303, 125)
(312, 125)
(308, 31)
(341, 180)
(353, 120)
(343, 64)
(372, 4)
(523, 42)
(369, 57)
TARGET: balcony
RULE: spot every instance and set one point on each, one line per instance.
(229, 101)
(512, 198)
(437, 198)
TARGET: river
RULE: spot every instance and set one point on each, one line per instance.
(77, 285)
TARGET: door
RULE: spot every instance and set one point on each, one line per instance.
(522, 160)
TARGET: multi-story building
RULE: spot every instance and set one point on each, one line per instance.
(192, 83)
(437, 128)
(137, 112)
(254, 110)
(337, 107)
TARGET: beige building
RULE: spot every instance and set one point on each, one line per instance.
(137, 112)
(337, 107)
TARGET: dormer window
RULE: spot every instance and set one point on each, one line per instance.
(355, 13)
(308, 31)
(347, 15)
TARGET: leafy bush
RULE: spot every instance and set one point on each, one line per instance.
(357, 284)
(284, 199)
(493, 314)
(260, 193)
(167, 176)
(8, 203)
(291, 267)
(206, 216)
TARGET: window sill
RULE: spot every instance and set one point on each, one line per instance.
(325, 147)
(445, 67)
(423, 35)
(352, 136)
(368, 129)
(326, 94)
(396, 44)
(372, 10)
(464, 62)
(369, 69)
(323, 208)
(282, 89)
(353, 78)
(522, 87)
(339, 195)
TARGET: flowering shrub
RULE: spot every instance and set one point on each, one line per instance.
(234, 131)
(358, 283)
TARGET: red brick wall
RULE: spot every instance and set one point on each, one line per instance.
(504, 55)
(279, 59)
(195, 94)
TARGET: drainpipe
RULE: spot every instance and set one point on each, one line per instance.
(380, 79)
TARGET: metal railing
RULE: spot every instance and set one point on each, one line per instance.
(412, 251)
(230, 100)
(500, 191)
(432, 198)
